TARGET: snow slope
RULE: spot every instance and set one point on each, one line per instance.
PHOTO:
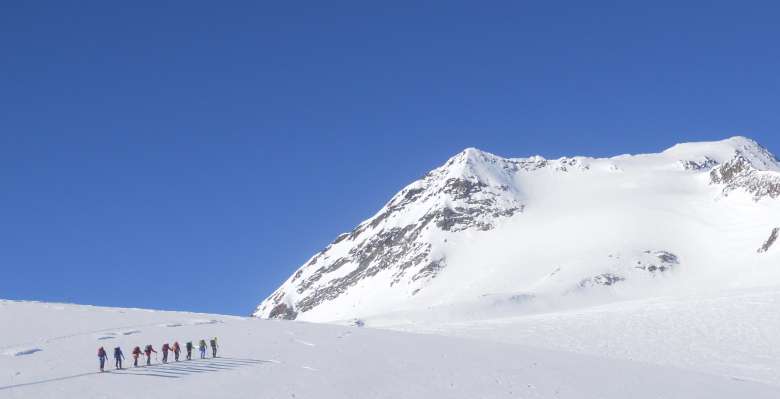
(734, 333)
(49, 352)
(698, 217)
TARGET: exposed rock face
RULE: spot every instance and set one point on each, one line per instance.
(624, 267)
(605, 279)
(770, 241)
(706, 164)
(752, 169)
(663, 261)
(282, 311)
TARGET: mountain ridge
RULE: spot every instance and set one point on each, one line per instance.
(390, 258)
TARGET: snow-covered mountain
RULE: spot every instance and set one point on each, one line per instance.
(640, 276)
(485, 235)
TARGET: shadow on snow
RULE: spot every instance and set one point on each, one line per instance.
(163, 370)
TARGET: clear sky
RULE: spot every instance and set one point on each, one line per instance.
(190, 155)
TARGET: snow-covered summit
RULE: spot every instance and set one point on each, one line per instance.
(726, 150)
(550, 230)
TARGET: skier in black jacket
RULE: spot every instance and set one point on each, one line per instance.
(165, 349)
(213, 343)
(148, 352)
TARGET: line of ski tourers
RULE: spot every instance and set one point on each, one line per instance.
(148, 350)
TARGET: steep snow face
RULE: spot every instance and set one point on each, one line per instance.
(558, 232)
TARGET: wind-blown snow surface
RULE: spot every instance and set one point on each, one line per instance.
(49, 352)
(556, 233)
(731, 333)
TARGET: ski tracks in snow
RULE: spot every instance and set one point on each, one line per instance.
(171, 370)
(21, 351)
(293, 338)
(103, 334)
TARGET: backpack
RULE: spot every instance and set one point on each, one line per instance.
(101, 352)
(148, 348)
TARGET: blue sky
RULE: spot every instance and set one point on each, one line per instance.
(187, 155)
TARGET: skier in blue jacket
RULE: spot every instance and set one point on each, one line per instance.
(118, 356)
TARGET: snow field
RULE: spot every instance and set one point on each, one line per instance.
(280, 359)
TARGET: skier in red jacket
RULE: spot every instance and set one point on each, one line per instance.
(176, 350)
(136, 353)
(102, 356)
